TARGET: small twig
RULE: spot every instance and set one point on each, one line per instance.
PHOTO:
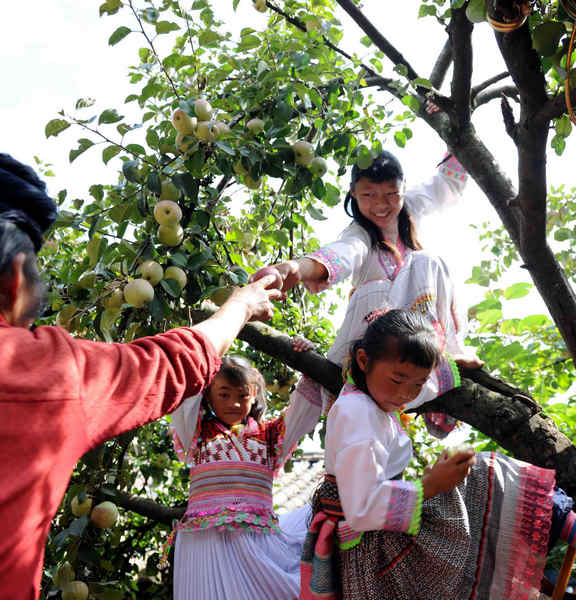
(137, 16)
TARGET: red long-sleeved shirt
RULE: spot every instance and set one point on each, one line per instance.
(60, 397)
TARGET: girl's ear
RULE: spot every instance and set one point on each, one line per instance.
(362, 360)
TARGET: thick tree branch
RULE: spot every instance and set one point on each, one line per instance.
(441, 66)
(508, 117)
(460, 32)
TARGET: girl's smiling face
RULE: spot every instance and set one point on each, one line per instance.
(381, 202)
(230, 403)
(392, 383)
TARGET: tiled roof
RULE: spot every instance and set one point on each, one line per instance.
(292, 490)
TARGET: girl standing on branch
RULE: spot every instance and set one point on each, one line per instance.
(475, 526)
(230, 544)
(379, 250)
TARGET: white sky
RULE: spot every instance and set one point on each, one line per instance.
(52, 53)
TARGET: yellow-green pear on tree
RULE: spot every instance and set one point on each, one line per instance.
(170, 235)
(184, 142)
(167, 213)
(183, 123)
(151, 271)
(303, 152)
(255, 125)
(178, 274)
(81, 508)
(253, 184)
(318, 166)
(239, 168)
(220, 295)
(138, 292)
(220, 129)
(203, 109)
(260, 5)
(104, 515)
(204, 131)
(75, 590)
(64, 575)
(169, 191)
(115, 300)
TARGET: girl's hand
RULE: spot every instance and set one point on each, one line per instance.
(289, 272)
(301, 344)
(468, 362)
(447, 473)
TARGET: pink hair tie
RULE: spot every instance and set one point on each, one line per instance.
(371, 316)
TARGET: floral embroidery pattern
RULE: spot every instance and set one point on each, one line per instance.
(453, 169)
(332, 262)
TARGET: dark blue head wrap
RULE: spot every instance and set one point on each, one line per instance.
(23, 199)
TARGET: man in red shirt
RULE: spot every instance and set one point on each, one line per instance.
(61, 396)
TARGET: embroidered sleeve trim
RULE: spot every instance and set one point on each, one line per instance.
(448, 374)
(332, 262)
(417, 513)
(453, 169)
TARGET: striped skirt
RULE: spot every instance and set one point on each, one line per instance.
(485, 540)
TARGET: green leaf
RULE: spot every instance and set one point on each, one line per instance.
(130, 170)
(84, 103)
(166, 27)
(366, 41)
(559, 144)
(188, 185)
(84, 144)
(412, 102)
(476, 11)
(118, 35)
(110, 115)
(400, 138)
(154, 183)
(171, 286)
(55, 126)
(136, 149)
(318, 188)
(109, 153)
(564, 126)
(110, 7)
(401, 70)
(315, 213)
(518, 290)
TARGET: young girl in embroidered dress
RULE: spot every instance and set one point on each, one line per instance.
(389, 269)
(230, 544)
(475, 526)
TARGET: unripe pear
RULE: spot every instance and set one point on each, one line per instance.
(253, 184)
(220, 129)
(87, 280)
(260, 5)
(81, 508)
(151, 271)
(115, 300)
(303, 152)
(104, 515)
(451, 451)
(64, 575)
(182, 122)
(318, 166)
(203, 109)
(65, 316)
(178, 274)
(75, 590)
(167, 213)
(220, 295)
(184, 142)
(169, 192)
(204, 131)
(170, 235)
(162, 461)
(138, 292)
(239, 168)
(255, 125)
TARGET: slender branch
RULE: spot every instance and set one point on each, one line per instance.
(490, 81)
(137, 16)
(107, 139)
(511, 91)
(443, 62)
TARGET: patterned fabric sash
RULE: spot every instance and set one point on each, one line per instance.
(319, 564)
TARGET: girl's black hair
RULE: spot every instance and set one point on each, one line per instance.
(404, 335)
(386, 167)
(13, 241)
(240, 372)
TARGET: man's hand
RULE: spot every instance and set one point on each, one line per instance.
(257, 298)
